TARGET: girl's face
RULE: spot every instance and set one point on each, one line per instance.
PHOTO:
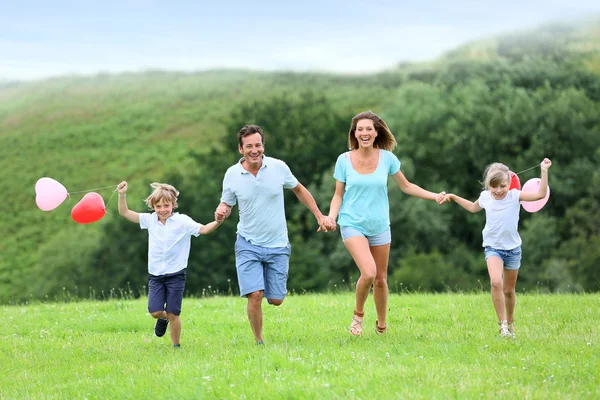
(499, 192)
(163, 209)
(365, 133)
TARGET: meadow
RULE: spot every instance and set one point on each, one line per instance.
(439, 346)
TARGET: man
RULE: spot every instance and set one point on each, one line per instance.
(262, 248)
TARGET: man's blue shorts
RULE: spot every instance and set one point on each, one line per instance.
(262, 268)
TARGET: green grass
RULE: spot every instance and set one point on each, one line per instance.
(438, 346)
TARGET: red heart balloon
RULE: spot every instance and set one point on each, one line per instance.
(515, 183)
(89, 209)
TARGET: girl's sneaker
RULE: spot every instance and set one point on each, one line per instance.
(511, 329)
(504, 332)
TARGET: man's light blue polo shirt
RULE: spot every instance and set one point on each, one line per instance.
(260, 201)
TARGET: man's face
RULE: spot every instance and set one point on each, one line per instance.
(252, 149)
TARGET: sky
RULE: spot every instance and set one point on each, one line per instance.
(43, 39)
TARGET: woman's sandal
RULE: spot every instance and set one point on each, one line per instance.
(379, 330)
(356, 325)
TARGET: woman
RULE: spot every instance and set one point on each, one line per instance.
(361, 203)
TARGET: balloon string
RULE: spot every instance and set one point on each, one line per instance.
(91, 190)
(109, 200)
(525, 170)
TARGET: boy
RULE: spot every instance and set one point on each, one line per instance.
(168, 251)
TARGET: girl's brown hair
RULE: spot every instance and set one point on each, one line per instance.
(495, 174)
(162, 191)
(384, 140)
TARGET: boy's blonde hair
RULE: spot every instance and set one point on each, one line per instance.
(162, 191)
(495, 174)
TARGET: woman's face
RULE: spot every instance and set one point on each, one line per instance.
(365, 133)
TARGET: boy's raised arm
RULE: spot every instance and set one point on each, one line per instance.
(124, 210)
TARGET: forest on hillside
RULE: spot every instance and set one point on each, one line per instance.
(450, 120)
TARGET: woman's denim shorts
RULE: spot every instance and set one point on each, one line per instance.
(380, 239)
(511, 258)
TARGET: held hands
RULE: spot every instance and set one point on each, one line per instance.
(441, 198)
(546, 164)
(222, 212)
(326, 224)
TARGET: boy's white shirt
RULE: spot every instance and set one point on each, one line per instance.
(168, 244)
(501, 220)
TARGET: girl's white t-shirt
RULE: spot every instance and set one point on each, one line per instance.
(501, 220)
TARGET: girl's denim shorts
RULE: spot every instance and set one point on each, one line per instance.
(511, 258)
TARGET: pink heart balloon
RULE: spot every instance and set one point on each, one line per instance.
(89, 209)
(532, 186)
(49, 194)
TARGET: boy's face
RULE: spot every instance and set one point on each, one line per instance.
(163, 209)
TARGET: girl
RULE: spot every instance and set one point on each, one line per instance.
(501, 239)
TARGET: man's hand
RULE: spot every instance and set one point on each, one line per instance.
(223, 211)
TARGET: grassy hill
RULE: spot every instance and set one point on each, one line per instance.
(96, 131)
(556, 39)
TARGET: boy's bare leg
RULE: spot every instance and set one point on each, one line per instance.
(174, 327)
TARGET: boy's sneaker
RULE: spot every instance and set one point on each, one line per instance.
(504, 332)
(160, 327)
